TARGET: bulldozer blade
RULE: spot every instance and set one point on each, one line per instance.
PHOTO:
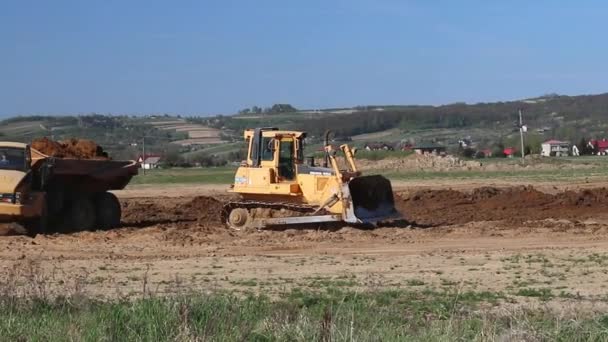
(372, 198)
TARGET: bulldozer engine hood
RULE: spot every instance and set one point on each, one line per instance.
(10, 180)
(315, 170)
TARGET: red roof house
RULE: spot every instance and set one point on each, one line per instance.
(486, 152)
(509, 151)
(599, 146)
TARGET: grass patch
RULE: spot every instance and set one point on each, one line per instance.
(329, 314)
(415, 282)
(245, 282)
(212, 175)
(540, 175)
(225, 175)
(543, 294)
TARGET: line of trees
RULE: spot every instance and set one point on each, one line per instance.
(274, 109)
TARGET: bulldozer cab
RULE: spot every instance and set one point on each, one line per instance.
(278, 150)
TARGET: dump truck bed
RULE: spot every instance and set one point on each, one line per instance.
(88, 174)
(106, 174)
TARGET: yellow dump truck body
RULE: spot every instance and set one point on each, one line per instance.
(35, 187)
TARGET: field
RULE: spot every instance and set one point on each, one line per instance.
(197, 134)
(480, 255)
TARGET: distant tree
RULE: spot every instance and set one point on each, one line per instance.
(282, 108)
(244, 111)
(583, 147)
(499, 150)
(256, 110)
(467, 152)
(172, 156)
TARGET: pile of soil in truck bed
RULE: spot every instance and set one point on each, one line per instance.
(71, 148)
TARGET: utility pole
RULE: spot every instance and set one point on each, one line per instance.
(521, 135)
(143, 154)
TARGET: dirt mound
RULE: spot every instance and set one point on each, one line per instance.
(206, 209)
(421, 162)
(587, 197)
(431, 162)
(72, 148)
(517, 204)
(149, 211)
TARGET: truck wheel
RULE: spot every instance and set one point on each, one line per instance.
(55, 199)
(38, 225)
(108, 210)
(81, 215)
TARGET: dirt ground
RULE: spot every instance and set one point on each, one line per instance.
(550, 238)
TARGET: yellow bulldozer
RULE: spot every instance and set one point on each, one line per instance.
(278, 187)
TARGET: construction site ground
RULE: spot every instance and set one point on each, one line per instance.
(547, 240)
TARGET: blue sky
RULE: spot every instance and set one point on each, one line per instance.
(208, 57)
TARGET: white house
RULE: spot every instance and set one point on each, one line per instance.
(555, 148)
(148, 162)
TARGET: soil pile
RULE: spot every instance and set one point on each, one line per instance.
(72, 148)
(517, 204)
(421, 162)
(152, 211)
(431, 162)
(206, 209)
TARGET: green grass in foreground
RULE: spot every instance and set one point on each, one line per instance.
(332, 315)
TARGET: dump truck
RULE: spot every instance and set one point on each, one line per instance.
(278, 187)
(39, 193)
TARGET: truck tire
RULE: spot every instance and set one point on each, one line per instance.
(38, 225)
(80, 215)
(55, 199)
(108, 211)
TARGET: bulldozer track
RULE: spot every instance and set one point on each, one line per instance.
(249, 205)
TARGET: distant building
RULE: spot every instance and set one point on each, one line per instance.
(599, 147)
(466, 142)
(487, 153)
(378, 147)
(149, 161)
(428, 149)
(509, 152)
(407, 147)
(555, 148)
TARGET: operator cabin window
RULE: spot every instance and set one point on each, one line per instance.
(12, 158)
(286, 154)
(267, 148)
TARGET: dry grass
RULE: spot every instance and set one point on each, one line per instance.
(30, 310)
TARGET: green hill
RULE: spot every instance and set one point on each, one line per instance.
(487, 124)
